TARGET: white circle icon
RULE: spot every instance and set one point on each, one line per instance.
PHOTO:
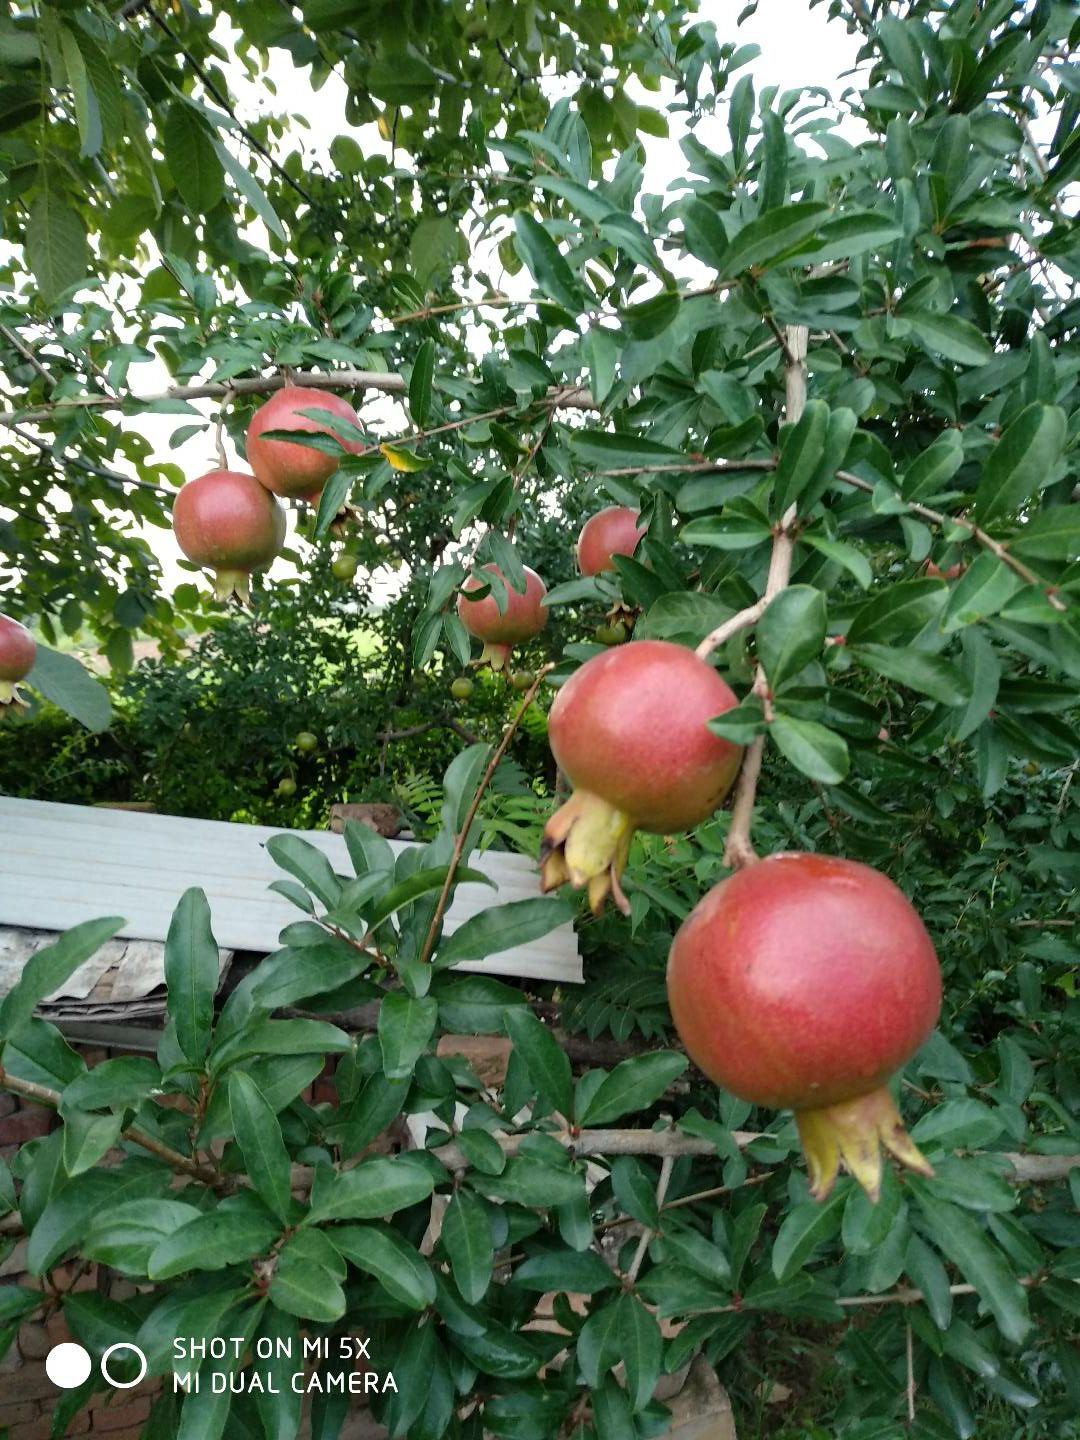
(123, 1384)
(68, 1365)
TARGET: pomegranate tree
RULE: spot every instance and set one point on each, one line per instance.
(18, 650)
(296, 472)
(228, 523)
(610, 532)
(629, 730)
(802, 983)
(525, 615)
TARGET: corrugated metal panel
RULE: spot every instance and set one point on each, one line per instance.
(61, 864)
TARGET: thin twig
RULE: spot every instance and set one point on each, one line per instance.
(463, 833)
(666, 1167)
(739, 849)
(219, 430)
(740, 621)
(909, 1352)
(28, 355)
(183, 1163)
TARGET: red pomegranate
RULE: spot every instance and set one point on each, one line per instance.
(629, 732)
(18, 650)
(614, 531)
(802, 983)
(228, 523)
(524, 616)
(296, 472)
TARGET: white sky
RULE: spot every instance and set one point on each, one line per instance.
(799, 46)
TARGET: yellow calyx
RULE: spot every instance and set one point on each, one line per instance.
(10, 695)
(854, 1132)
(232, 585)
(586, 844)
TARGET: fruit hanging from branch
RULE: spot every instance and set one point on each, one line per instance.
(524, 617)
(297, 472)
(610, 532)
(227, 522)
(629, 730)
(803, 982)
(18, 651)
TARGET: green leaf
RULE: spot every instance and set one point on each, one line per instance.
(899, 612)
(730, 531)
(804, 446)
(635, 1190)
(369, 1191)
(213, 1241)
(930, 472)
(1051, 535)
(258, 1134)
(618, 450)
(541, 255)
(791, 633)
(982, 670)
(544, 1058)
(307, 1278)
(87, 111)
(460, 783)
(474, 1003)
(931, 675)
(308, 865)
(281, 1037)
(706, 238)
(87, 1138)
(985, 586)
(853, 560)
(192, 159)
(634, 1084)
(948, 336)
(1022, 460)
(772, 235)
(61, 679)
(250, 188)
(574, 1272)
(118, 1084)
(278, 1405)
(503, 928)
(402, 77)
(191, 974)
(652, 317)
(928, 1274)
(58, 256)
(398, 1267)
(467, 1240)
(124, 1236)
(849, 235)
(802, 1230)
(420, 382)
(640, 1345)
(818, 752)
(406, 1025)
(529, 1182)
(50, 967)
(966, 1245)
(601, 354)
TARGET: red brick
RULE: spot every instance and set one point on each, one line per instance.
(26, 1124)
(118, 1417)
(40, 1429)
(16, 1414)
(34, 1342)
(7, 1103)
(56, 1325)
(15, 1263)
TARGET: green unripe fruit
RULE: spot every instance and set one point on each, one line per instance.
(522, 679)
(462, 688)
(613, 634)
(287, 787)
(307, 742)
(344, 566)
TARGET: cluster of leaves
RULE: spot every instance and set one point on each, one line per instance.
(438, 1255)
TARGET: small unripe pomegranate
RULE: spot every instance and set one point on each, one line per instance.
(614, 531)
(296, 471)
(344, 566)
(803, 982)
(226, 522)
(521, 680)
(18, 651)
(613, 633)
(461, 688)
(307, 743)
(629, 731)
(286, 787)
(524, 616)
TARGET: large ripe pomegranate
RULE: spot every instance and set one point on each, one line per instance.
(296, 471)
(629, 732)
(524, 616)
(18, 650)
(228, 523)
(614, 531)
(802, 983)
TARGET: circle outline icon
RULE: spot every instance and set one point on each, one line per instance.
(123, 1384)
(73, 1363)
